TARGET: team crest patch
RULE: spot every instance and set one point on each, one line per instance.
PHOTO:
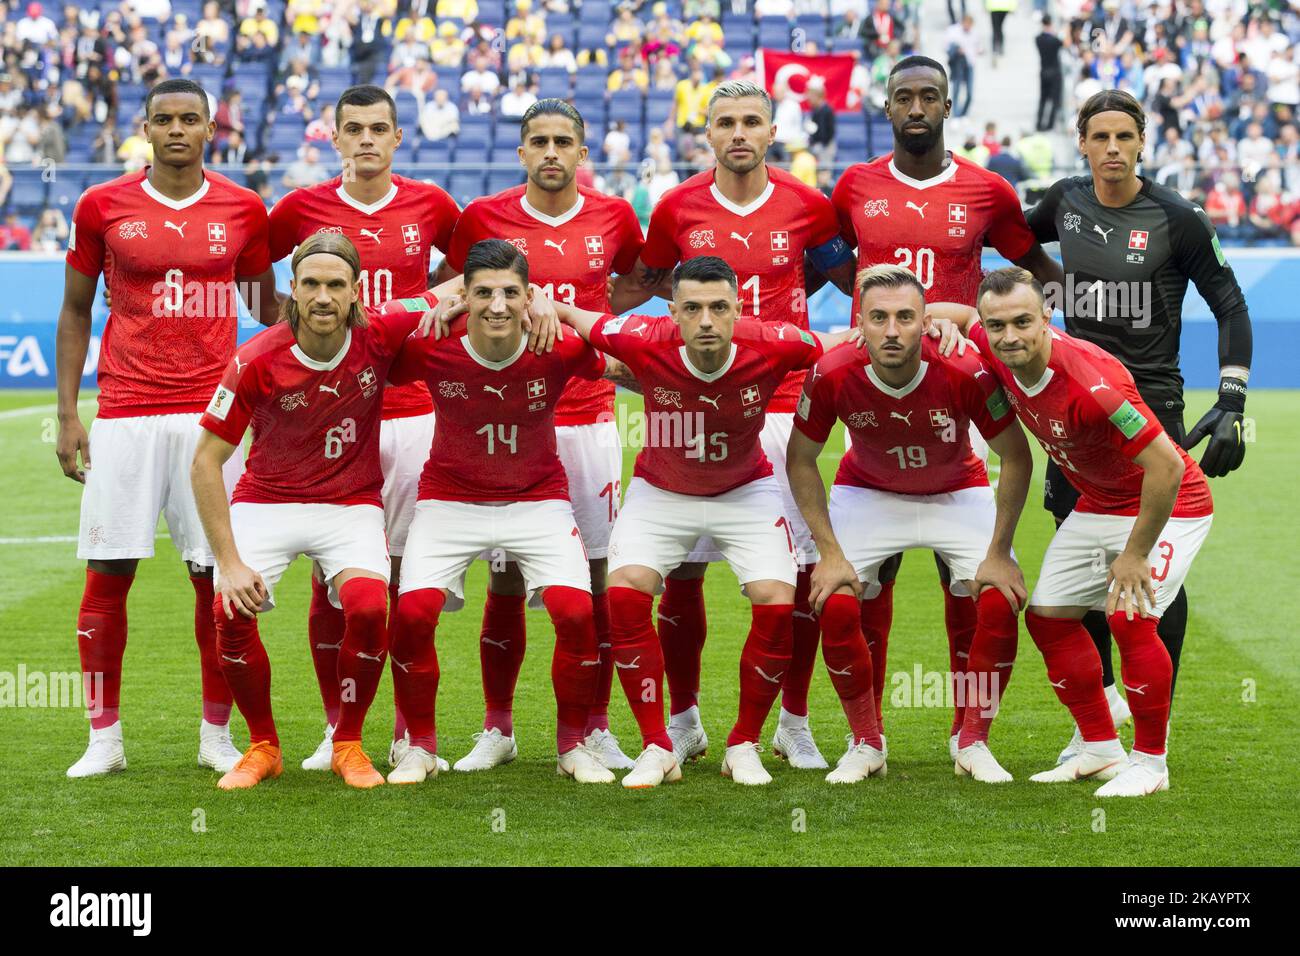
(222, 399)
(997, 404)
(665, 396)
(132, 230)
(804, 408)
(750, 394)
(1128, 420)
(293, 400)
(875, 207)
(863, 419)
(536, 388)
(366, 379)
(452, 390)
(615, 325)
(700, 238)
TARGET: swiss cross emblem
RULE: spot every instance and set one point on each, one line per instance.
(938, 417)
(216, 232)
(780, 241)
(537, 388)
(411, 233)
(366, 379)
(595, 245)
(956, 212)
(749, 395)
(1058, 427)
(1137, 239)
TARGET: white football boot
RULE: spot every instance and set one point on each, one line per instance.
(323, 757)
(491, 749)
(583, 766)
(793, 741)
(104, 753)
(216, 749)
(1144, 775)
(653, 767)
(415, 766)
(690, 742)
(1098, 760)
(859, 762)
(742, 764)
(1119, 713)
(397, 750)
(952, 746)
(978, 762)
(604, 746)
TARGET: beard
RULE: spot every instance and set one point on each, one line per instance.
(918, 144)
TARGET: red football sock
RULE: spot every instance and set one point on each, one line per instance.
(877, 617)
(216, 694)
(988, 669)
(415, 663)
(101, 642)
(1074, 670)
(247, 670)
(325, 626)
(1147, 671)
(959, 618)
(639, 662)
(683, 626)
(365, 644)
(763, 662)
(803, 658)
(399, 720)
(848, 661)
(501, 653)
(598, 715)
(575, 665)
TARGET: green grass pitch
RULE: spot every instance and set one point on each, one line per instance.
(1232, 754)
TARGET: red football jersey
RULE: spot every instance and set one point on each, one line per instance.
(911, 440)
(1088, 416)
(764, 242)
(171, 268)
(935, 227)
(570, 256)
(703, 434)
(495, 439)
(395, 238)
(315, 424)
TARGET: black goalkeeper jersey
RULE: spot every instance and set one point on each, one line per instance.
(1126, 275)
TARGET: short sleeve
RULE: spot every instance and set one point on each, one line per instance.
(661, 250)
(786, 346)
(825, 224)
(609, 334)
(86, 236)
(1009, 234)
(581, 360)
(815, 414)
(282, 227)
(255, 257)
(1041, 217)
(983, 398)
(231, 408)
(463, 237)
(1108, 389)
(842, 201)
(630, 239)
(411, 363)
(397, 319)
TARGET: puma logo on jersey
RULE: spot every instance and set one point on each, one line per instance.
(712, 401)
(631, 665)
(1137, 690)
(373, 235)
(239, 366)
(557, 246)
(235, 660)
(332, 389)
(770, 680)
(1098, 387)
(330, 647)
(180, 230)
(674, 621)
(500, 644)
(920, 210)
(1032, 412)
(639, 329)
(906, 419)
(1104, 233)
(739, 238)
(1059, 685)
(980, 372)
(88, 633)
(498, 392)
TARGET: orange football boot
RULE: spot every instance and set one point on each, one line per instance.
(351, 763)
(260, 761)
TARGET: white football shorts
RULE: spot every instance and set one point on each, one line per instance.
(593, 459)
(447, 536)
(873, 525)
(336, 537)
(404, 445)
(1078, 559)
(140, 469)
(657, 529)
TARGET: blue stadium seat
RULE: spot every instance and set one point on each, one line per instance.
(851, 136)
(492, 12)
(598, 11)
(438, 151)
(552, 83)
(626, 105)
(66, 190)
(333, 81)
(846, 44)
(498, 180)
(589, 83)
(737, 29)
(774, 33)
(880, 135)
(504, 154)
(591, 34)
(408, 109)
(565, 24)
(813, 27)
(28, 193)
(285, 136)
(473, 143)
(252, 82)
(465, 186)
(658, 107)
(449, 78)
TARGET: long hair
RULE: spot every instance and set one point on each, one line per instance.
(333, 244)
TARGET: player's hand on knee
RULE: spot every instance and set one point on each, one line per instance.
(831, 574)
(1129, 586)
(1001, 571)
(242, 590)
(73, 441)
(949, 336)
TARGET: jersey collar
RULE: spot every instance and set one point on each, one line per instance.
(892, 392)
(938, 180)
(553, 221)
(707, 376)
(374, 207)
(488, 363)
(176, 204)
(1033, 391)
(318, 365)
(742, 211)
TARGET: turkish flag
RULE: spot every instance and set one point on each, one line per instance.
(794, 70)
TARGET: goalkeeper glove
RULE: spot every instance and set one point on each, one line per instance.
(1222, 424)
